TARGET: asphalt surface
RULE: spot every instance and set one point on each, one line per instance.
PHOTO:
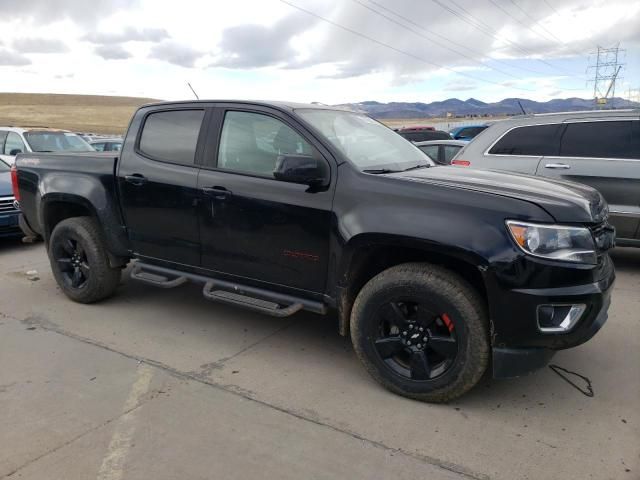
(165, 384)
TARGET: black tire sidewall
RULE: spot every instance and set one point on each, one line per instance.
(101, 277)
(436, 292)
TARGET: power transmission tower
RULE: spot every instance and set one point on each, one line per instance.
(607, 72)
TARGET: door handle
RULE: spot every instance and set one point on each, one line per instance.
(558, 166)
(135, 179)
(219, 193)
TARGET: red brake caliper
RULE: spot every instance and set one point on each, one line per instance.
(447, 321)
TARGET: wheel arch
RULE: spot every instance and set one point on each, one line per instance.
(56, 207)
(365, 256)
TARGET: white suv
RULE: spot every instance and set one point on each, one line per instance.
(14, 140)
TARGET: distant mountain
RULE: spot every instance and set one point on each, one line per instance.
(474, 107)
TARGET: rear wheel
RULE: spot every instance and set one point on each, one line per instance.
(421, 331)
(79, 261)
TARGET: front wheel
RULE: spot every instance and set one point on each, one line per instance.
(421, 331)
(79, 260)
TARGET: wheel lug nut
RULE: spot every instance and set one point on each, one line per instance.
(424, 339)
(421, 329)
(419, 346)
(408, 342)
(404, 333)
(410, 327)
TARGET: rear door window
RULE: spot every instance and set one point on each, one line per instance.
(171, 136)
(431, 151)
(13, 144)
(3, 137)
(614, 139)
(450, 152)
(534, 140)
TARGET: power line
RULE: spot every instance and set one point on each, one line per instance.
(408, 20)
(506, 12)
(359, 2)
(397, 50)
(530, 17)
(488, 30)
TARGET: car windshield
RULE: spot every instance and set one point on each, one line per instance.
(368, 144)
(57, 142)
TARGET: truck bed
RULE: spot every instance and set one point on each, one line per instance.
(49, 177)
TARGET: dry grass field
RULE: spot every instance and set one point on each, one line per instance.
(103, 114)
(83, 113)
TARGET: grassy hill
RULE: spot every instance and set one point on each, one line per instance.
(83, 113)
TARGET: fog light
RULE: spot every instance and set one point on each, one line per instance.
(559, 318)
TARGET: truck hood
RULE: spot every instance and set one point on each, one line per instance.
(565, 201)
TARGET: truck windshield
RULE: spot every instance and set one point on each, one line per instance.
(365, 142)
(57, 142)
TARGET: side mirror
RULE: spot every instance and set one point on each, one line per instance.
(14, 152)
(303, 169)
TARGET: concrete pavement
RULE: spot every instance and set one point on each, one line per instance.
(164, 384)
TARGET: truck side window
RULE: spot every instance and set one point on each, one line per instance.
(3, 136)
(13, 143)
(251, 143)
(172, 136)
(535, 140)
(600, 140)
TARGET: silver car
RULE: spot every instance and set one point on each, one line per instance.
(597, 148)
(441, 151)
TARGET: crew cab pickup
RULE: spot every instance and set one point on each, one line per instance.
(436, 273)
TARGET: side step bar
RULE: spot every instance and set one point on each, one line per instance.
(137, 273)
(250, 303)
(253, 298)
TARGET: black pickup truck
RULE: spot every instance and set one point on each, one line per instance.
(436, 272)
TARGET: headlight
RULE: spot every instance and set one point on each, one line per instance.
(555, 242)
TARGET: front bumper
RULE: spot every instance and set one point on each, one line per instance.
(9, 224)
(519, 347)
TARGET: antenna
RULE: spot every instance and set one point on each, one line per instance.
(194, 92)
(522, 108)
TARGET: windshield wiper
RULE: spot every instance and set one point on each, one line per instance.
(380, 170)
(415, 167)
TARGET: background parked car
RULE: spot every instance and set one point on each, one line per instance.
(14, 140)
(423, 134)
(9, 212)
(441, 151)
(106, 144)
(467, 132)
(598, 148)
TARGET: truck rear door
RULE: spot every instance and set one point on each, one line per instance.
(157, 179)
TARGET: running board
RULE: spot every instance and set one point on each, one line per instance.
(253, 298)
(250, 303)
(137, 273)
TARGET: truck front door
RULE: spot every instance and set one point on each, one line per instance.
(252, 225)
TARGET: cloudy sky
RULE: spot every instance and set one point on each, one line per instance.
(330, 51)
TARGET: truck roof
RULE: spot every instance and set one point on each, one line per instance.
(267, 103)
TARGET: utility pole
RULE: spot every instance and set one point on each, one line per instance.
(607, 72)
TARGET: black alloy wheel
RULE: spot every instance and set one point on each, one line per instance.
(414, 340)
(73, 263)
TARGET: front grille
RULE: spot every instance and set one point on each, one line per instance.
(6, 204)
